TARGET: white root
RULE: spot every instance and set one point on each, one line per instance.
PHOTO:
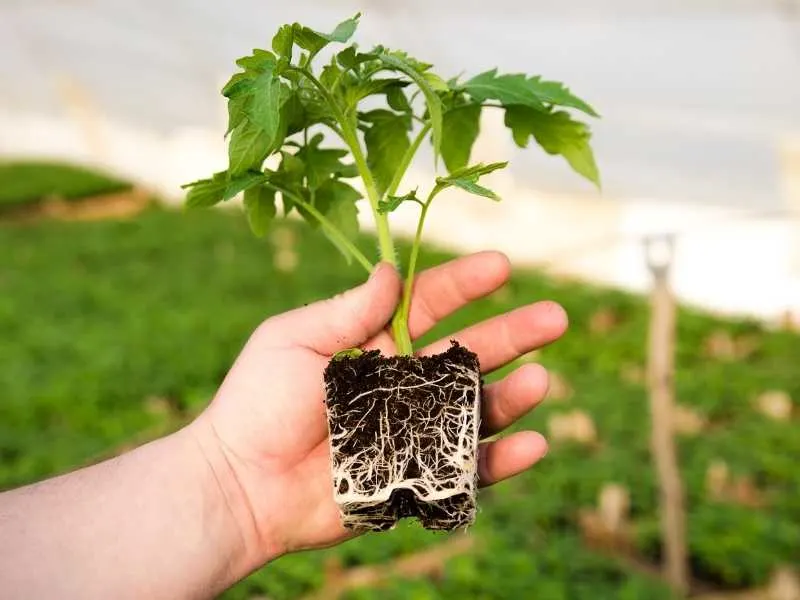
(433, 455)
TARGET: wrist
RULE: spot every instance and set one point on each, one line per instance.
(250, 545)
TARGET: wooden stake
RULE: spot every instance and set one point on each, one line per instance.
(661, 353)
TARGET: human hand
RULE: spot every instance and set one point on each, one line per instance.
(265, 433)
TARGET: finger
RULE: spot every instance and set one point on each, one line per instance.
(344, 321)
(507, 400)
(442, 290)
(510, 456)
(499, 340)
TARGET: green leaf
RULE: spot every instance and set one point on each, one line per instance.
(322, 163)
(259, 62)
(555, 92)
(283, 41)
(355, 93)
(350, 58)
(333, 192)
(556, 133)
(242, 182)
(222, 186)
(330, 75)
(506, 89)
(259, 206)
(311, 40)
(387, 142)
(460, 128)
(349, 353)
(248, 147)
(206, 192)
(475, 171)
(397, 100)
(393, 202)
(473, 188)
(308, 39)
(344, 30)
(237, 110)
(466, 178)
(337, 201)
(416, 70)
(269, 95)
(238, 83)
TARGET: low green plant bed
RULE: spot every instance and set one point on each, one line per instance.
(116, 331)
(29, 182)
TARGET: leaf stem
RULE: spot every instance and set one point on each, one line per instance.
(406, 161)
(332, 230)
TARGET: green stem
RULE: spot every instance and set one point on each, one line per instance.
(406, 160)
(332, 230)
(402, 314)
(350, 137)
(385, 242)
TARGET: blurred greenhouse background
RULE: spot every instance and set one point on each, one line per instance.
(116, 104)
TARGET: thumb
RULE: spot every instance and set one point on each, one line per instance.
(349, 319)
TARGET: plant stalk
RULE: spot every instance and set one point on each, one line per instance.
(401, 316)
(334, 231)
(386, 246)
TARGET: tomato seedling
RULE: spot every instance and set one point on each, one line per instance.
(403, 430)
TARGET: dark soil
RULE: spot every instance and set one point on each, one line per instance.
(403, 429)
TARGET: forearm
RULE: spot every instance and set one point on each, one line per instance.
(153, 523)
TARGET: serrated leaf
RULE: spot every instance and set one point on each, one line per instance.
(248, 147)
(237, 110)
(321, 164)
(557, 133)
(397, 100)
(350, 58)
(222, 186)
(344, 30)
(258, 62)
(259, 206)
(239, 83)
(355, 93)
(283, 41)
(437, 83)
(466, 178)
(206, 192)
(473, 188)
(330, 75)
(393, 202)
(289, 176)
(387, 142)
(460, 129)
(507, 89)
(475, 171)
(335, 192)
(243, 182)
(269, 95)
(337, 201)
(555, 92)
(311, 40)
(416, 70)
(308, 39)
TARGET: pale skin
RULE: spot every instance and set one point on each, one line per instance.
(189, 515)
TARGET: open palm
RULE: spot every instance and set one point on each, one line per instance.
(268, 418)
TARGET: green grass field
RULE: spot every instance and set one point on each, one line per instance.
(116, 330)
(29, 182)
